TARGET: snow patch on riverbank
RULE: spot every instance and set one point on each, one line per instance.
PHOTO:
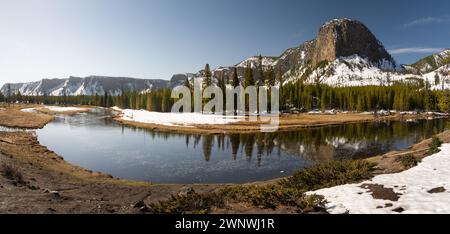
(29, 110)
(64, 109)
(176, 119)
(55, 109)
(412, 186)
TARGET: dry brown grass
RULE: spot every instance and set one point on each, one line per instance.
(11, 116)
(72, 112)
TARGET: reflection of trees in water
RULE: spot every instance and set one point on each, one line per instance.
(208, 143)
(315, 144)
(248, 141)
(235, 142)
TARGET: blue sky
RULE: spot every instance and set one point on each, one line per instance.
(158, 38)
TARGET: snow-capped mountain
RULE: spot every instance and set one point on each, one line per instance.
(84, 86)
(344, 53)
(431, 63)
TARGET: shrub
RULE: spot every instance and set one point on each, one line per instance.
(192, 203)
(289, 192)
(266, 196)
(12, 173)
(408, 160)
(330, 174)
(434, 146)
(436, 142)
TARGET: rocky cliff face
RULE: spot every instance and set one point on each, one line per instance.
(344, 38)
(339, 41)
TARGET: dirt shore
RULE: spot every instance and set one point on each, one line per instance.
(49, 184)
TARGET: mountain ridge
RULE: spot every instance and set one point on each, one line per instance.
(91, 85)
(344, 53)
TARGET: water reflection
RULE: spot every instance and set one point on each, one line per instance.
(349, 141)
(95, 141)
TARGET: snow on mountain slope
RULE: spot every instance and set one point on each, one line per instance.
(254, 62)
(435, 78)
(84, 86)
(349, 71)
(432, 62)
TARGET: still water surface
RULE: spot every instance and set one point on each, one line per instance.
(94, 141)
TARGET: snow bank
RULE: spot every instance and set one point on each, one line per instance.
(29, 110)
(412, 186)
(176, 119)
(64, 109)
(55, 109)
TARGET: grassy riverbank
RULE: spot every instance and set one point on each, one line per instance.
(11, 116)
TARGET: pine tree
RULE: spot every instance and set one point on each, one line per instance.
(187, 84)
(262, 78)
(444, 73)
(235, 82)
(248, 76)
(280, 81)
(222, 82)
(8, 93)
(105, 101)
(388, 79)
(436, 79)
(208, 81)
(360, 104)
(270, 77)
(444, 101)
(323, 101)
(223, 87)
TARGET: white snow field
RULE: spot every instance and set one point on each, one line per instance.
(64, 109)
(55, 109)
(412, 186)
(176, 119)
(28, 110)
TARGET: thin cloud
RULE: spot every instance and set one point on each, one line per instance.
(415, 50)
(428, 20)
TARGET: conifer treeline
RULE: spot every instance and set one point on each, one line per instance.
(365, 98)
(400, 97)
(159, 100)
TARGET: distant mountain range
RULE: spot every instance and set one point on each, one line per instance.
(90, 86)
(344, 53)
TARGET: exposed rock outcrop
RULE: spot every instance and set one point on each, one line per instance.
(345, 37)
